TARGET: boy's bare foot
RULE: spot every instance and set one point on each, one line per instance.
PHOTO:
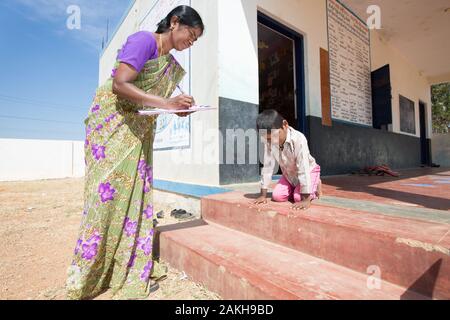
(319, 193)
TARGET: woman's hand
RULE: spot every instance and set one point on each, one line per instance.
(180, 102)
(184, 114)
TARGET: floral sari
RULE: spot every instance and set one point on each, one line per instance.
(115, 245)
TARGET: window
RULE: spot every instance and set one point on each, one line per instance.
(407, 116)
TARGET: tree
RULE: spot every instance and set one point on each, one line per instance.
(440, 98)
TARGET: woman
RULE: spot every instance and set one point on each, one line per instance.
(114, 249)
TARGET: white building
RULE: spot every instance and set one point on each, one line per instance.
(361, 97)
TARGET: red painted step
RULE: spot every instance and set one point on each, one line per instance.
(238, 266)
(410, 253)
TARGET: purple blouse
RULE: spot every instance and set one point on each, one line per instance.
(139, 48)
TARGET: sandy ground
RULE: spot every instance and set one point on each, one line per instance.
(38, 231)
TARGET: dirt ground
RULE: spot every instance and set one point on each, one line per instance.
(38, 232)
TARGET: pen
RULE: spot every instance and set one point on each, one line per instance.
(180, 89)
(182, 92)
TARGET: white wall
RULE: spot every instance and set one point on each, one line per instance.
(238, 59)
(238, 45)
(24, 160)
(406, 80)
(187, 165)
(238, 50)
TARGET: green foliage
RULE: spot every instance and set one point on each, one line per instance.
(440, 98)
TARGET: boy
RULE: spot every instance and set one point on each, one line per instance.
(301, 175)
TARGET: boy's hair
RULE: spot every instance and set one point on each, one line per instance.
(269, 120)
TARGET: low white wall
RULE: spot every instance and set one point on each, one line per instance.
(440, 146)
(24, 160)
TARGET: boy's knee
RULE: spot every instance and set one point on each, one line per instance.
(297, 197)
(278, 197)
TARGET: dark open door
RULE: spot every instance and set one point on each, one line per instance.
(281, 72)
(424, 143)
(381, 98)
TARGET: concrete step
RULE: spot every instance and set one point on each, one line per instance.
(411, 253)
(239, 266)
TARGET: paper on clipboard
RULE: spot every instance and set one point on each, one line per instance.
(157, 111)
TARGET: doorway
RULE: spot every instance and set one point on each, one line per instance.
(281, 72)
(424, 143)
(382, 98)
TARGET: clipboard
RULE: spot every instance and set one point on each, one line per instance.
(158, 111)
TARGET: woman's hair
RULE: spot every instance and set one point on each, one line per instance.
(269, 120)
(186, 16)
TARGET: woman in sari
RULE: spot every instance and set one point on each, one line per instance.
(115, 245)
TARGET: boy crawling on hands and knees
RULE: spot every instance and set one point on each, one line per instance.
(301, 174)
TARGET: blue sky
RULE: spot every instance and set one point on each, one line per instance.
(48, 71)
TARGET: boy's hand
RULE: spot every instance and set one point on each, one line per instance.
(261, 200)
(303, 205)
